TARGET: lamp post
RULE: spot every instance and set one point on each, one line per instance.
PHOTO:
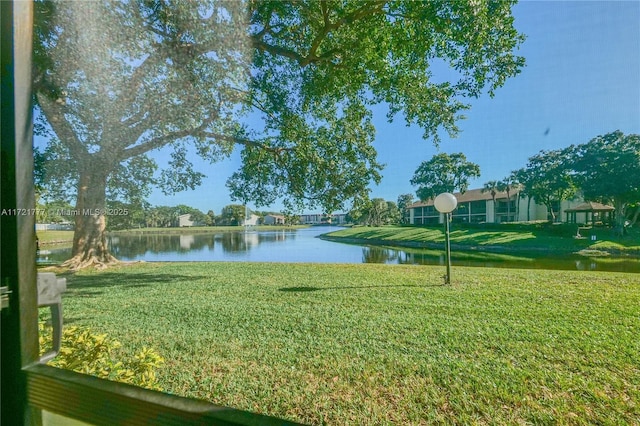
(446, 203)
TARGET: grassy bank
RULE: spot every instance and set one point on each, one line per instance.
(380, 344)
(491, 239)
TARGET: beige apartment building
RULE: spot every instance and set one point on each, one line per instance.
(476, 206)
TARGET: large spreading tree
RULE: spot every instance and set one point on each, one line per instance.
(548, 178)
(290, 83)
(376, 212)
(404, 201)
(444, 173)
(607, 169)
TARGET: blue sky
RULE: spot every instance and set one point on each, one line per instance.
(582, 79)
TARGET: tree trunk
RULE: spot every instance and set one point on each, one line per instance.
(552, 215)
(620, 217)
(635, 216)
(90, 238)
(495, 216)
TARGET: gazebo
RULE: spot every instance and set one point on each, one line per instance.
(596, 210)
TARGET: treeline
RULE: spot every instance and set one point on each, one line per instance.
(606, 169)
(379, 212)
(121, 215)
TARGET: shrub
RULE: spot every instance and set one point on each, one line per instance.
(98, 355)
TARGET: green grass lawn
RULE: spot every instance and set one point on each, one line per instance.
(523, 239)
(379, 344)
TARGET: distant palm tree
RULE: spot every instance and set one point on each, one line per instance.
(518, 187)
(506, 185)
(492, 188)
(523, 177)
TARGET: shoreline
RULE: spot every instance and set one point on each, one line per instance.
(587, 251)
(491, 248)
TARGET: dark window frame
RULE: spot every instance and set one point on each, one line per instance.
(28, 386)
(478, 207)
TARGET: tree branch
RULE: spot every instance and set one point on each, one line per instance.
(368, 9)
(279, 51)
(246, 142)
(54, 112)
(160, 141)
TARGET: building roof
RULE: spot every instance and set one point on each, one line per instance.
(590, 206)
(470, 195)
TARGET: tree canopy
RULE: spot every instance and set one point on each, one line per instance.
(404, 201)
(444, 173)
(116, 80)
(233, 214)
(607, 169)
(547, 178)
(376, 212)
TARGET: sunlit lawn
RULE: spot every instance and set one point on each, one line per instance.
(380, 344)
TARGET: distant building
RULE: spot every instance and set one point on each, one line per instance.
(590, 212)
(311, 219)
(323, 219)
(184, 220)
(476, 206)
(338, 219)
(274, 219)
(64, 226)
(252, 220)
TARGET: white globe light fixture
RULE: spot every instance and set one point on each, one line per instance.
(446, 203)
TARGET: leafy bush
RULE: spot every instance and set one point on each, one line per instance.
(98, 355)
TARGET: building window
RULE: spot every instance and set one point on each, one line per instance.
(460, 219)
(478, 218)
(478, 207)
(463, 209)
(503, 206)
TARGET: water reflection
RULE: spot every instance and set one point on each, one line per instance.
(586, 265)
(133, 246)
(373, 254)
(303, 246)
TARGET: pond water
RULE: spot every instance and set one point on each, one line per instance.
(302, 245)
